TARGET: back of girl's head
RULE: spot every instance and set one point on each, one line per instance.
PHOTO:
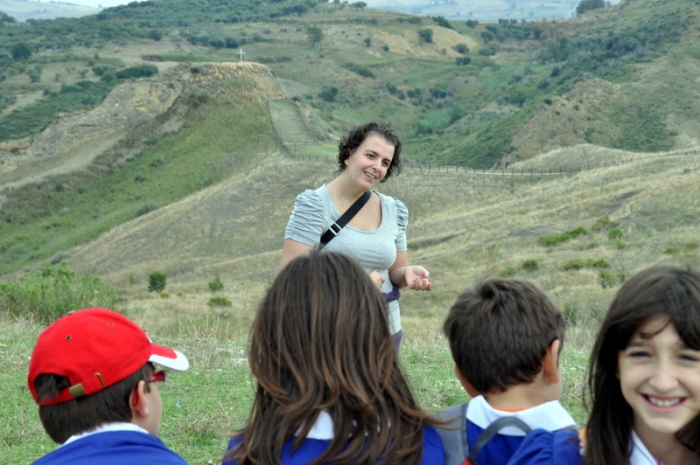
(321, 342)
(325, 307)
(661, 290)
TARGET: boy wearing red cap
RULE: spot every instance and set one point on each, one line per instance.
(92, 374)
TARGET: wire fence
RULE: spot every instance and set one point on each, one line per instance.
(508, 170)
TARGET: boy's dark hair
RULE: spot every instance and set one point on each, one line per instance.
(65, 419)
(499, 333)
(348, 144)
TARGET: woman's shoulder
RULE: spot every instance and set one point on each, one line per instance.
(393, 202)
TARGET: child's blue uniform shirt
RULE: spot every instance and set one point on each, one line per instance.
(113, 444)
(542, 447)
(550, 416)
(321, 434)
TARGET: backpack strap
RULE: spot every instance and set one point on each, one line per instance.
(340, 223)
(454, 433)
(493, 430)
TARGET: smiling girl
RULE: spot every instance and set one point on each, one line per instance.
(644, 373)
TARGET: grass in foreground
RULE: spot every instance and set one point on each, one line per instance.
(213, 398)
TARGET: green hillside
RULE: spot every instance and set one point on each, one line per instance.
(464, 87)
(459, 92)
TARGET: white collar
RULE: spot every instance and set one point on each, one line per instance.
(107, 427)
(639, 454)
(550, 416)
(322, 428)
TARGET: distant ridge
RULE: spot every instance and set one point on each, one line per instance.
(22, 11)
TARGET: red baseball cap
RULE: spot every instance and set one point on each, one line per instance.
(95, 348)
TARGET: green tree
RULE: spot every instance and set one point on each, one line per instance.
(156, 281)
(368, 41)
(21, 51)
(314, 34)
(586, 5)
(426, 35)
(359, 5)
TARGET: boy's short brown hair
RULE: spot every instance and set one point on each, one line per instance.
(110, 405)
(499, 333)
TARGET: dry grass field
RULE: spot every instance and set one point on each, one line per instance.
(463, 227)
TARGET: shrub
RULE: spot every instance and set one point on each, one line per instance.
(157, 281)
(692, 246)
(596, 314)
(165, 295)
(603, 223)
(462, 48)
(673, 251)
(620, 245)
(361, 70)
(507, 272)
(570, 314)
(426, 35)
(219, 301)
(50, 293)
(600, 263)
(216, 285)
(137, 72)
(615, 233)
(328, 94)
(147, 208)
(556, 239)
(606, 279)
(575, 264)
(531, 265)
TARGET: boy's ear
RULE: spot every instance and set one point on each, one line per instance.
(138, 402)
(550, 363)
(465, 384)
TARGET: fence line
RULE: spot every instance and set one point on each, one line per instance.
(561, 170)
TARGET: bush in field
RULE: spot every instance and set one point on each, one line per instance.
(692, 246)
(675, 251)
(575, 264)
(531, 265)
(507, 272)
(600, 263)
(603, 223)
(570, 314)
(50, 293)
(615, 234)
(216, 285)
(607, 279)
(556, 239)
(156, 281)
(426, 35)
(219, 301)
(137, 72)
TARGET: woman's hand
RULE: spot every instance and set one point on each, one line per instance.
(417, 278)
(377, 279)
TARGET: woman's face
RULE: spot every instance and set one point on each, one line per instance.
(660, 380)
(369, 163)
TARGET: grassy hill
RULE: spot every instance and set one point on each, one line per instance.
(620, 77)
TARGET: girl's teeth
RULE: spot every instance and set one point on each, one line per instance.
(663, 402)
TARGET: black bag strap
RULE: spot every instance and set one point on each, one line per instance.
(493, 430)
(340, 223)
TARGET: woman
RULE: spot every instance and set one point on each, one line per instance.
(376, 235)
(329, 387)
